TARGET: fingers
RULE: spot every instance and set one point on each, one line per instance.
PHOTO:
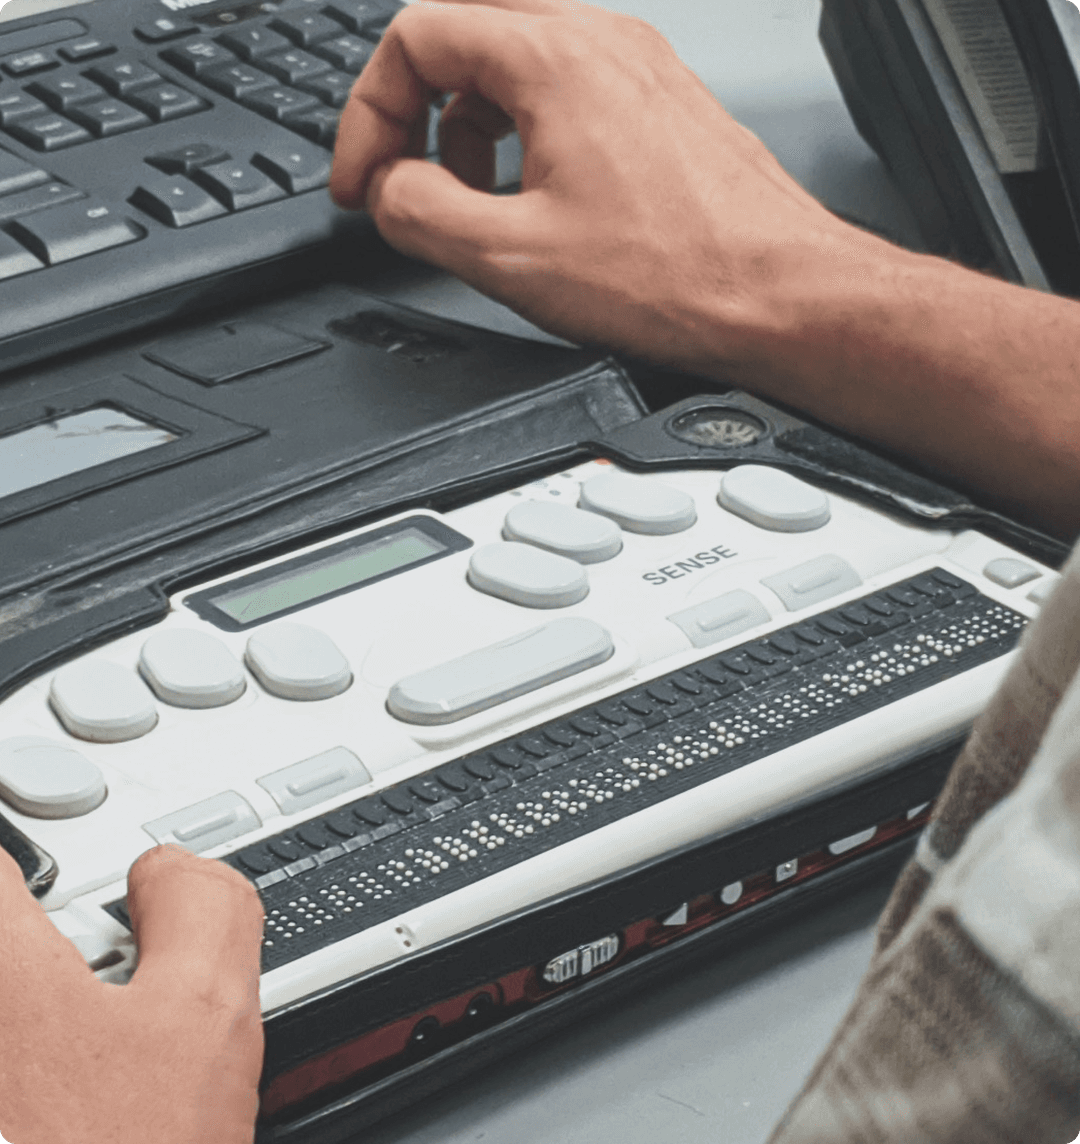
(428, 48)
(198, 926)
(30, 945)
(469, 128)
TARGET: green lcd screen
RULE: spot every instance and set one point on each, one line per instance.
(284, 588)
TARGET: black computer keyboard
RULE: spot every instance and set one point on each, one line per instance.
(153, 162)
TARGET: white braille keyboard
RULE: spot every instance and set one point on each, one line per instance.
(399, 710)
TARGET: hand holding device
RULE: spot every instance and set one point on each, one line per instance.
(174, 1056)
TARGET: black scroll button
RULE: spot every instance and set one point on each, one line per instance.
(639, 703)
(857, 615)
(808, 635)
(315, 835)
(560, 736)
(372, 810)
(535, 746)
(479, 767)
(257, 860)
(426, 790)
(507, 757)
(287, 849)
(663, 692)
(761, 654)
(686, 683)
(341, 824)
(834, 626)
(397, 800)
(784, 643)
(452, 778)
(954, 583)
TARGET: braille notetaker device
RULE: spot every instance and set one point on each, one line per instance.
(504, 694)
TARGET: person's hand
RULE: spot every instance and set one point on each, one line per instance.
(646, 212)
(174, 1056)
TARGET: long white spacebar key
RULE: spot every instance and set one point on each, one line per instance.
(492, 675)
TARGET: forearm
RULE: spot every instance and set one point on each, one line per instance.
(972, 376)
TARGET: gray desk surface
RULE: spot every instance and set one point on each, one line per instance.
(715, 1055)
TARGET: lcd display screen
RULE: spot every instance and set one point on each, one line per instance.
(70, 444)
(319, 578)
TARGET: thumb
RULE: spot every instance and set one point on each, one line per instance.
(198, 926)
(425, 211)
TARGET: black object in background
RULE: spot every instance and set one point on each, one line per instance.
(972, 104)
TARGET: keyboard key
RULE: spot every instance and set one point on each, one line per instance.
(74, 230)
(368, 17)
(16, 175)
(332, 87)
(175, 201)
(47, 779)
(167, 101)
(37, 199)
(492, 675)
(30, 62)
(237, 80)
(238, 185)
(87, 49)
(350, 53)
(278, 102)
(294, 65)
(253, 40)
(63, 92)
(306, 28)
(162, 29)
(319, 124)
(15, 259)
(109, 117)
(17, 105)
(101, 701)
(197, 56)
(123, 74)
(49, 132)
(184, 160)
(295, 166)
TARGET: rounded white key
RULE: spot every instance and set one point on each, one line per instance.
(294, 661)
(102, 702)
(527, 576)
(773, 499)
(639, 504)
(47, 779)
(191, 669)
(582, 536)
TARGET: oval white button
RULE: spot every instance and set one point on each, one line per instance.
(527, 576)
(773, 499)
(191, 669)
(295, 661)
(102, 702)
(639, 504)
(581, 536)
(48, 780)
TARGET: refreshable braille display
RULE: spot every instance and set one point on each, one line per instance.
(418, 727)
